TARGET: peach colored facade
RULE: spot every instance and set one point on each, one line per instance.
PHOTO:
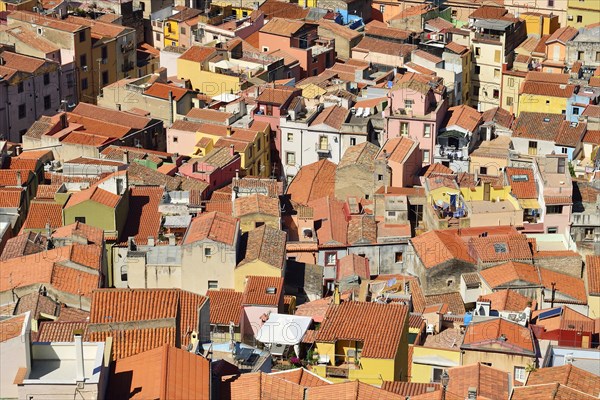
(180, 141)
(419, 120)
(556, 54)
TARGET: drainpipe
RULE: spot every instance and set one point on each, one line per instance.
(172, 111)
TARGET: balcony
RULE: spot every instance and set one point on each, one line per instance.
(323, 149)
(337, 372)
(490, 37)
(452, 153)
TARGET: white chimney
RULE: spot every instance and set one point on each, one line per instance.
(80, 377)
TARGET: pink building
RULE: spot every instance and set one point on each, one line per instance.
(403, 158)
(217, 168)
(557, 192)
(181, 137)
(262, 295)
(416, 110)
(301, 40)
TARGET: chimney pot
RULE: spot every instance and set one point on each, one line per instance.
(231, 149)
(19, 180)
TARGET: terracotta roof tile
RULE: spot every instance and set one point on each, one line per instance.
(370, 44)
(565, 284)
(225, 306)
(11, 328)
(409, 389)
(109, 115)
(265, 244)
(363, 230)
(283, 27)
(397, 149)
(92, 234)
(279, 96)
(209, 115)
(10, 198)
(427, 56)
(355, 390)
(302, 377)
(47, 191)
(54, 331)
(504, 274)
(333, 229)
(507, 300)
(497, 248)
(436, 247)
(42, 213)
(567, 375)
(213, 226)
(10, 177)
(592, 264)
(198, 54)
(523, 187)
(501, 335)
(452, 299)
(379, 326)
(457, 48)
(95, 194)
(256, 204)
(550, 391)
(255, 292)
(333, 116)
(24, 245)
(127, 343)
(464, 117)
(541, 126)
(353, 265)
(562, 35)
(491, 383)
(313, 181)
(162, 90)
(30, 164)
(259, 386)
(547, 89)
(143, 219)
(362, 154)
(36, 304)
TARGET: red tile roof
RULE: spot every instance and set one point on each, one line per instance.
(507, 300)
(547, 89)
(491, 383)
(225, 306)
(562, 35)
(11, 328)
(540, 126)
(379, 326)
(353, 265)
(130, 342)
(499, 335)
(212, 226)
(567, 375)
(565, 284)
(464, 117)
(435, 247)
(54, 331)
(504, 274)
(255, 292)
(10, 198)
(312, 182)
(11, 177)
(265, 244)
(95, 194)
(409, 389)
(550, 391)
(333, 229)
(302, 377)
(42, 213)
(78, 229)
(355, 390)
(157, 374)
(198, 54)
(143, 219)
(259, 386)
(592, 265)
(524, 187)
(497, 248)
(256, 204)
(452, 299)
(162, 90)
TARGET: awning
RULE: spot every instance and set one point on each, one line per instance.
(283, 329)
(530, 203)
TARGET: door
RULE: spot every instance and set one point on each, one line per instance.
(486, 191)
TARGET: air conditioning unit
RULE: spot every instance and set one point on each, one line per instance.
(430, 329)
(570, 17)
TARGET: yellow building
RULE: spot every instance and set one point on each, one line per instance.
(546, 98)
(511, 85)
(582, 12)
(252, 144)
(24, 5)
(265, 255)
(256, 210)
(363, 341)
(429, 362)
(171, 33)
(540, 24)
(592, 264)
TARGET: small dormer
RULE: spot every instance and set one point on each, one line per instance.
(483, 308)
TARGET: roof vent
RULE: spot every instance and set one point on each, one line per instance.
(271, 290)
(546, 119)
(502, 338)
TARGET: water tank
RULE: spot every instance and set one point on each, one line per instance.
(468, 318)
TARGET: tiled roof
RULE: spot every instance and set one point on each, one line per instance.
(361, 155)
(457, 48)
(265, 244)
(162, 90)
(562, 35)
(23, 163)
(504, 274)
(333, 116)
(54, 331)
(225, 306)
(255, 292)
(113, 116)
(157, 374)
(78, 229)
(354, 390)
(500, 335)
(127, 305)
(10, 198)
(507, 300)
(427, 56)
(47, 191)
(130, 342)
(498, 248)
(524, 187)
(42, 213)
(547, 89)
(412, 11)
(140, 175)
(12, 327)
(570, 135)
(209, 115)
(302, 377)
(95, 194)
(591, 136)
(452, 299)
(370, 44)
(276, 96)
(436, 168)
(143, 219)
(379, 326)
(10, 177)
(488, 12)
(259, 386)
(409, 389)
(397, 149)
(567, 375)
(313, 181)
(353, 265)
(363, 230)
(436, 247)
(592, 110)
(549, 391)
(491, 383)
(256, 204)
(337, 29)
(592, 265)
(464, 117)
(213, 226)
(283, 27)
(547, 77)
(36, 304)
(565, 284)
(333, 230)
(499, 116)
(540, 126)
(23, 245)
(198, 54)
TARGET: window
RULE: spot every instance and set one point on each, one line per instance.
(175, 139)
(244, 14)
(207, 252)
(105, 78)
(404, 128)
(550, 3)
(554, 209)
(80, 219)
(579, 18)
(520, 371)
(477, 69)
(436, 374)
(511, 82)
(563, 150)
(496, 93)
(290, 137)
(449, 282)
(483, 170)
(532, 148)
(398, 256)
(509, 101)
(382, 8)
(290, 158)
(379, 177)
(575, 110)
(104, 54)
(589, 233)
(124, 273)
(580, 55)
(258, 224)
(408, 104)
(496, 73)
(323, 143)
(158, 37)
(84, 84)
(552, 230)
(82, 36)
(598, 56)
(83, 60)
(315, 72)
(213, 285)
(182, 30)
(20, 87)
(352, 141)
(475, 90)
(477, 51)
(330, 258)
(427, 130)
(22, 111)
(47, 102)
(425, 155)
(497, 55)
(46, 78)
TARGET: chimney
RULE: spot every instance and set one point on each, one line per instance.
(231, 150)
(228, 131)
(336, 295)
(150, 240)
(19, 181)
(126, 156)
(2, 62)
(18, 150)
(237, 174)
(80, 377)
(472, 393)
(172, 241)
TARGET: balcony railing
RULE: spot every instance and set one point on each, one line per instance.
(323, 148)
(337, 372)
(487, 36)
